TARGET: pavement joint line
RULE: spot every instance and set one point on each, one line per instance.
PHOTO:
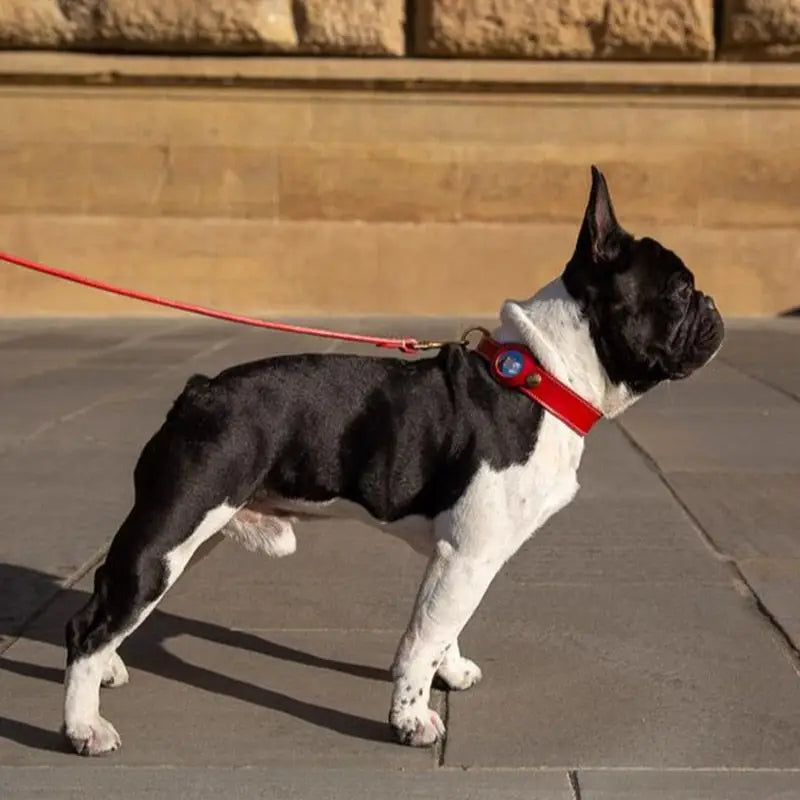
(574, 784)
(716, 551)
(782, 637)
(131, 392)
(76, 361)
(780, 633)
(624, 768)
(759, 379)
(66, 583)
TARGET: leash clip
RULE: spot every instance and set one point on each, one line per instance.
(429, 344)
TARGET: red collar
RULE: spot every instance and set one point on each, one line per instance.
(515, 366)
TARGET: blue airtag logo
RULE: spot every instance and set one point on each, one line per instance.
(510, 364)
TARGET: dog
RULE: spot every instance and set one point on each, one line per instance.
(443, 449)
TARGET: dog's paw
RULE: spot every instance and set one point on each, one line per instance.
(459, 674)
(115, 674)
(93, 739)
(420, 728)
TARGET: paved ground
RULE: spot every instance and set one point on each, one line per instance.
(642, 646)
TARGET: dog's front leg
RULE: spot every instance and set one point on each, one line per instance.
(457, 577)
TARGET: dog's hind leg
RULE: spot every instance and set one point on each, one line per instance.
(116, 673)
(147, 556)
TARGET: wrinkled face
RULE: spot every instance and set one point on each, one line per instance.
(648, 321)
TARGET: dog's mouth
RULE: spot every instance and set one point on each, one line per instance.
(704, 331)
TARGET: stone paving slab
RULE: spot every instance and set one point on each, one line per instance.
(15, 366)
(125, 424)
(749, 441)
(685, 785)
(616, 638)
(41, 400)
(763, 344)
(725, 419)
(61, 504)
(343, 576)
(611, 468)
(205, 695)
(284, 783)
(594, 541)
(746, 515)
(770, 353)
(624, 675)
(717, 387)
(776, 581)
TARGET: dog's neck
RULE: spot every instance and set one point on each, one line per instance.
(552, 325)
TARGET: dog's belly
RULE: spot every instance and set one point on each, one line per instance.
(415, 530)
(257, 529)
(266, 523)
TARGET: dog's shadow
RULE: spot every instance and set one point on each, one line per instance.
(157, 659)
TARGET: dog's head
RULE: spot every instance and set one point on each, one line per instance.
(647, 320)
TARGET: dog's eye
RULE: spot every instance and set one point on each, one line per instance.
(682, 291)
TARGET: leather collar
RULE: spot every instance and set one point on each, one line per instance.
(514, 365)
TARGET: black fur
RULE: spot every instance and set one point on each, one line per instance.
(648, 323)
(398, 437)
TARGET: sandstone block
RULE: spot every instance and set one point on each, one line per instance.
(370, 182)
(347, 268)
(33, 23)
(193, 25)
(680, 29)
(137, 179)
(761, 29)
(357, 27)
(363, 27)
(659, 29)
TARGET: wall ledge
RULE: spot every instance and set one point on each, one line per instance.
(407, 74)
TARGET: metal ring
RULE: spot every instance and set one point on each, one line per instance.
(468, 331)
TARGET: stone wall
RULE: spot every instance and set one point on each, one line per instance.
(254, 185)
(566, 28)
(363, 27)
(761, 30)
(532, 29)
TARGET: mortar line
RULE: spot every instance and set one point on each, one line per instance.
(758, 379)
(775, 626)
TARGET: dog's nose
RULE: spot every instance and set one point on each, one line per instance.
(710, 301)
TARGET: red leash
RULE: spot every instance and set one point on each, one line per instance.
(512, 365)
(406, 345)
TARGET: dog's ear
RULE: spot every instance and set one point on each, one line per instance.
(601, 234)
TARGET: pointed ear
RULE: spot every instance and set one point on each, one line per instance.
(600, 232)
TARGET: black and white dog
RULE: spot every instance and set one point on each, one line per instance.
(470, 467)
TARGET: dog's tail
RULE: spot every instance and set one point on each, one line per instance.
(196, 386)
(194, 398)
